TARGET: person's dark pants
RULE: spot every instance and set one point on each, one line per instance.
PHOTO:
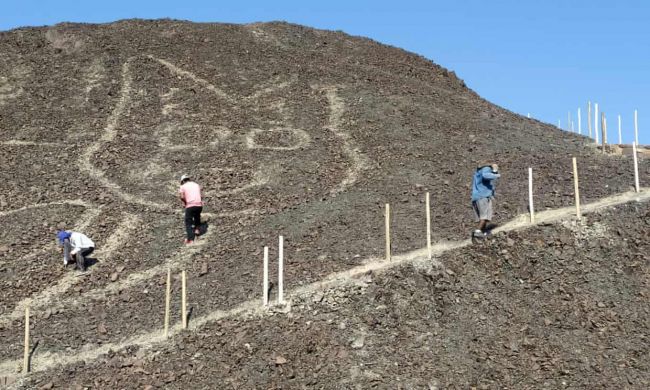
(81, 258)
(192, 220)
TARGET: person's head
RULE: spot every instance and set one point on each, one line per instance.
(482, 164)
(63, 235)
(185, 179)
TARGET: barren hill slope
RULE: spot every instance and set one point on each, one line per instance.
(564, 305)
(289, 130)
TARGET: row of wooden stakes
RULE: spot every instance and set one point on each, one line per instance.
(265, 286)
(184, 318)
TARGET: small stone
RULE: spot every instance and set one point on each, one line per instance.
(280, 360)
(318, 297)
(204, 269)
(47, 386)
(114, 276)
(101, 328)
(120, 269)
(358, 342)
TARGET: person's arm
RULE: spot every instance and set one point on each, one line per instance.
(181, 196)
(66, 252)
(491, 175)
(75, 249)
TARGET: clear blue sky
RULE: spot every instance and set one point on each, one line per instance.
(540, 57)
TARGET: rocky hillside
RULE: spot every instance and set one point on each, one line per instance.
(290, 131)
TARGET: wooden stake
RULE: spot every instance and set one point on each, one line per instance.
(558, 124)
(184, 298)
(596, 122)
(620, 137)
(265, 283)
(387, 232)
(603, 121)
(168, 292)
(589, 118)
(579, 122)
(428, 213)
(281, 270)
(26, 357)
(576, 188)
(530, 195)
(636, 128)
(636, 168)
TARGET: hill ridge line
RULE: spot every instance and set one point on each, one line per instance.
(252, 308)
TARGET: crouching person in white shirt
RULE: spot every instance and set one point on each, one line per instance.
(76, 246)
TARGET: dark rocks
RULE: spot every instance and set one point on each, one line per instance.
(415, 127)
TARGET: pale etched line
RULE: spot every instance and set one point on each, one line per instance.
(556, 214)
(177, 261)
(148, 340)
(260, 178)
(46, 298)
(120, 236)
(268, 89)
(94, 76)
(87, 218)
(75, 202)
(258, 32)
(15, 142)
(238, 213)
(204, 83)
(359, 161)
(112, 244)
(302, 139)
(110, 131)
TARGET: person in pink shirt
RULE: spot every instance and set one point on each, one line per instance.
(190, 195)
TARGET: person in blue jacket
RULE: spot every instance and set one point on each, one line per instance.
(483, 187)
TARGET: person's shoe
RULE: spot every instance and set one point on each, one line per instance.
(478, 233)
(197, 232)
(188, 242)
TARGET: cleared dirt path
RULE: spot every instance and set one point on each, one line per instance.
(147, 341)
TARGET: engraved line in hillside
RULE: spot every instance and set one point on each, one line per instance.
(146, 341)
(46, 298)
(110, 132)
(204, 83)
(359, 161)
(16, 142)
